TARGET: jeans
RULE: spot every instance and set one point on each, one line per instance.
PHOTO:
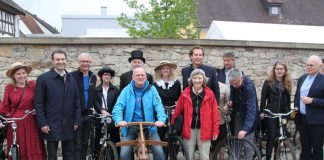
(125, 152)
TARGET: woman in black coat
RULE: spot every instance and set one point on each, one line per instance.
(275, 96)
(106, 97)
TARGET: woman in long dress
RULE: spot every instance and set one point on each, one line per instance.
(19, 97)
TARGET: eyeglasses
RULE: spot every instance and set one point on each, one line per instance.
(85, 62)
(106, 74)
(279, 69)
(310, 65)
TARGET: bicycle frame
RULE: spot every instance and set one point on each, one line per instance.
(141, 143)
(14, 126)
(278, 115)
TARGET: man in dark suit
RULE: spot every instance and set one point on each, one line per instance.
(137, 61)
(196, 56)
(57, 107)
(309, 99)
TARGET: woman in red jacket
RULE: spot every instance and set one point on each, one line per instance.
(201, 117)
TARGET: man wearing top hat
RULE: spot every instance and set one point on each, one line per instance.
(137, 61)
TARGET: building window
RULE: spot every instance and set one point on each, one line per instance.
(7, 23)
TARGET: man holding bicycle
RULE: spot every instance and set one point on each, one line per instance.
(243, 100)
(139, 101)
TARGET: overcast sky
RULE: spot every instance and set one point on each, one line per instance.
(52, 10)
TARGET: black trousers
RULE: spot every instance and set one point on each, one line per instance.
(272, 133)
(82, 138)
(67, 150)
(311, 137)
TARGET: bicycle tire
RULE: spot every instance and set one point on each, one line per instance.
(91, 151)
(109, 152)
(296, 140)
(285, 151)
(14, 153)
(233, 148)
(177, 149)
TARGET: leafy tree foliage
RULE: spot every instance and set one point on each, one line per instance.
(176, 19)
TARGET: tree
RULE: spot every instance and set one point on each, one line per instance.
(174, 19)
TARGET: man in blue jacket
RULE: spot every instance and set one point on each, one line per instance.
(138, 102)
(309, 99)
(243, 100)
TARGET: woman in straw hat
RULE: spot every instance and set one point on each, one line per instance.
(19, 97)
(168, 87)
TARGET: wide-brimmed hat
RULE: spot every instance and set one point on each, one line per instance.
(136, 54)
(165, 62)
(106, 69)
(15, 66)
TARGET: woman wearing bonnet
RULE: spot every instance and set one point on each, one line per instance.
(168, 87)
(19, 97)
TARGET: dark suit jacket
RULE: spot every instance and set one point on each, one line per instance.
(126, 78)
(314, 111)
(57, 105)
(210, 73)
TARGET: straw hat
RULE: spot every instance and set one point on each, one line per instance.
(165, 62)
(15, 66)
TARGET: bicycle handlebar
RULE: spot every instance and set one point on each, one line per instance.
(276, 115)
(12, 119)
(169, 107)
(130, 124)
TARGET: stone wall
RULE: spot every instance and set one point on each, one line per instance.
(255, 58)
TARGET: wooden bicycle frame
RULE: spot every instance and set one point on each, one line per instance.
(141, 143)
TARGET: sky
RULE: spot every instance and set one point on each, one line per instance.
(52, 10)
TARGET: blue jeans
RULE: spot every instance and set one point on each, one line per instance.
(126, 151)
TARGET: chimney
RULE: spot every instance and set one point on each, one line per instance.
(273, 7)
(103, 10)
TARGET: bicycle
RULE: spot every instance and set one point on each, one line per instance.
(284, 149)
(177, 149)
(232, 148)
(108, 150)
(14, 148)
(140, 143)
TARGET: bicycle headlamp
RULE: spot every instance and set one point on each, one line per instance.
(284, 121)
(14, 125)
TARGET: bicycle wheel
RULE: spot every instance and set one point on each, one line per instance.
(235, 149)
(91, 154)
(14, 153)
(296, 140)
(108, 152)
(285, 151)
(177, 149)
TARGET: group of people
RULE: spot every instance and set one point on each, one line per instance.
(63, 102)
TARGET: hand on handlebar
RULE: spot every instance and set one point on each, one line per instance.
(122, 124)
(105, 113)
(1, 125)
(159, 124)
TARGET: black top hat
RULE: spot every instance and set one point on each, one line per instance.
(136, 54)
(106, 69)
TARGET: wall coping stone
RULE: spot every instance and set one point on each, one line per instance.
(141, 41)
